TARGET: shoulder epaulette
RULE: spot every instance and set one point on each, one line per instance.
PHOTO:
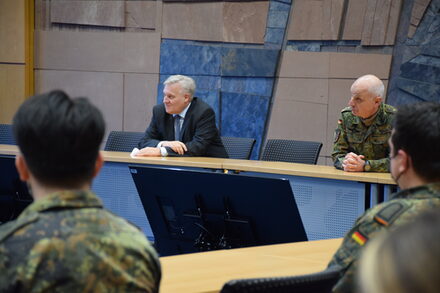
(390, 212)
(389, 108)
(346, 109)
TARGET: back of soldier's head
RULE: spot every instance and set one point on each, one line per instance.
(59, 138)
(417, 132)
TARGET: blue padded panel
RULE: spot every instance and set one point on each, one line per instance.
(422, 69)
(115, 186)
(328, 207)
(260, 86)
(244, 116)
(122, 141)
(6, 135)
(189, 59)
(249, 62)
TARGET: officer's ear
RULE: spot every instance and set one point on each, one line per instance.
(378, 100)
(22, 168)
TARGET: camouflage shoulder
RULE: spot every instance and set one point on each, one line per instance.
(389, 109)
(9, 228)
(390, 211)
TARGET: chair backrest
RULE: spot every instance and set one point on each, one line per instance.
(292, 151)
(122, 141)
(238, 147)
(321, 282)
(6, 136)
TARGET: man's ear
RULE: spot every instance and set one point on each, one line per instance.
(98, 164)
(378, 100)
(187, 98)
(22, 168)
(404, 159)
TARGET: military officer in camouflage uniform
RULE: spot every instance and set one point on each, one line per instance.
(65, 241)
(415, 166)
(360, 140)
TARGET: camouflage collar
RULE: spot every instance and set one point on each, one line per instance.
(421, 192)
(379, 119)
(63, 199)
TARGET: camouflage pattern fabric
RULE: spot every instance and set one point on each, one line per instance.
(352, 135)
(402, 208)
(67, 242)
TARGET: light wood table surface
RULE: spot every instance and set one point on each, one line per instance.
(208, 271)
(316, 171)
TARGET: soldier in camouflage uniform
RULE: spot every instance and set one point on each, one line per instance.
(360, 140)
(65, 241)
(415, 166)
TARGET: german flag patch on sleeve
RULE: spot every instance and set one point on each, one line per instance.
(359, 238)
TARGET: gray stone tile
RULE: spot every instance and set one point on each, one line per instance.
(102, 13)
(141, 14)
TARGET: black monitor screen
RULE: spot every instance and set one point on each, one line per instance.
(14, 195)
(191, 211)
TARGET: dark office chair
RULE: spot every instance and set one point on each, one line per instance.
(238, 147)
(321, 282)
(122, 141)
(6, 136)
(292, 151)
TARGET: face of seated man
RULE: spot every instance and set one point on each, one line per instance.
(175, 99)
(363, 103)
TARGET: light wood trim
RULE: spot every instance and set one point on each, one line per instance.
(315, 171)
(208, 271)
(306, 170)
(29, 47)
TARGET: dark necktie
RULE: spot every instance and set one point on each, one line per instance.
(177, 127)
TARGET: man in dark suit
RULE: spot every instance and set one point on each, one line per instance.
(183, 125)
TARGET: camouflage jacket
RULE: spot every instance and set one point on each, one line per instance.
(352, 135)
(402, 208)
(67, 242)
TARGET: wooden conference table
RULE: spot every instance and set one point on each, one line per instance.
(208, 271)
(328, 200)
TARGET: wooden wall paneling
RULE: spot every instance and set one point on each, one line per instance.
(305, 64)
(369, 22)
(104, 89)
(140, 91)
(354, 20)
(12, 86)
(245, 22)
(29, 47)
(193, 21)
(332, 15)
(99, 13)
(314, 90)
(298, 120)
(393, 22)
(98, 51)
(380, 26)
(349, 65)
(307, 22)
(141, 14)
(12, 31)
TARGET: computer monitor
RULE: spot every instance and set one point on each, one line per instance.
(191, 211)
(14, 194)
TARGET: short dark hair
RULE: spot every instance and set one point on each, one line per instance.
(59, 138)
(417, 132)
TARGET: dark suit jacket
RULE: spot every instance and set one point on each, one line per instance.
(199, 132)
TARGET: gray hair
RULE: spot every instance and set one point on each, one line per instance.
(375, 85)
(187, 83)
